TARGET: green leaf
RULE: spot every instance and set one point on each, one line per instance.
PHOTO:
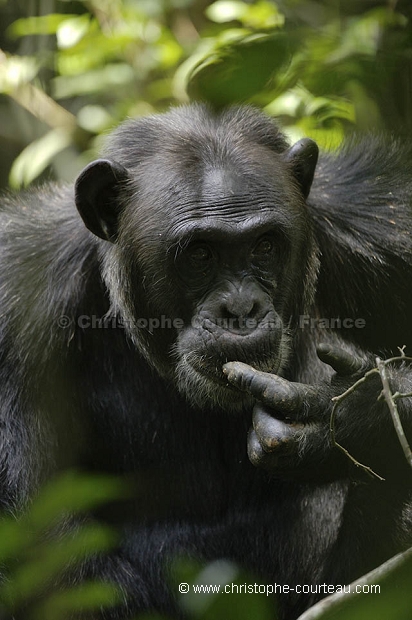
(50, 559)
(35, 158)
(237, 71)
(74, 493)
(70, 494)
(108, 77)
(45, 24)
(87, 597)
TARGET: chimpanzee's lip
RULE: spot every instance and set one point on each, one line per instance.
(213, 374)
(248, 330)
(218, 378)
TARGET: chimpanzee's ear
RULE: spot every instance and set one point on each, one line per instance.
(303, 157)
(97, 190)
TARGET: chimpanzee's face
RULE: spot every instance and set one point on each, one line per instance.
(230, 266)
(211, 259)
(224, 262)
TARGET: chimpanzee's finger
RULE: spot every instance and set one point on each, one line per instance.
(275, 434)
(273, 391)
(342, 362)
(257, 455)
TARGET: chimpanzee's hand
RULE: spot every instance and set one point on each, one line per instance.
(291, 434)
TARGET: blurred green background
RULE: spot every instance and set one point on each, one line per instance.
(69, 72)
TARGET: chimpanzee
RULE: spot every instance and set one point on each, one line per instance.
(190, 333)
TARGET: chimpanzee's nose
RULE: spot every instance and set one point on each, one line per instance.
(242, 308)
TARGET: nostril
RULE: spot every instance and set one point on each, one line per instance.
(240, 315)
(255, 311)
(240, 309)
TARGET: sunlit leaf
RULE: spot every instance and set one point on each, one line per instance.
(101, 80)
(169, 53)
(316, 117)
(94, 118)
(71, 31)
(16, 70)
(263, 15)
(328, 137)
(287, 104)
(259, 15)
(44, 24)
(35, 158)
(226, 10)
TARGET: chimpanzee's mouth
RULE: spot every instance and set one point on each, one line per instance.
(239, 327)
(200, 356)
(213, 372)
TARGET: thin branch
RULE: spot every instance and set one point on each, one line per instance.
(391, 402)
(42, 106)
(399, 395)
(39, 103)
(335, 604)
(336, 402)
(390, 399)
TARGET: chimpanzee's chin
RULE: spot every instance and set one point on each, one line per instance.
(210, 391)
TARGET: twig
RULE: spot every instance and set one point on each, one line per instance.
(390, 399)
(393, 409)
(39, 103)
(336, 401)
(399, 395)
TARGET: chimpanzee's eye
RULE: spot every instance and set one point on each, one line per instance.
(199, 255)
(196, 263)
(270, 252)
(263, 248)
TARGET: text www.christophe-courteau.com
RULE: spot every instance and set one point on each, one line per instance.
(270, 589)
(163, 322)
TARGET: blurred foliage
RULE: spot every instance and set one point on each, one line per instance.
(393, 601)
(38, 548)
(214, 605)
(79, 68)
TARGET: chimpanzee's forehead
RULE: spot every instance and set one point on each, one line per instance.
(225, 193)
(224, 184)
(214, 198)
(188, 184)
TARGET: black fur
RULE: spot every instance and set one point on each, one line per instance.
(104, 396)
